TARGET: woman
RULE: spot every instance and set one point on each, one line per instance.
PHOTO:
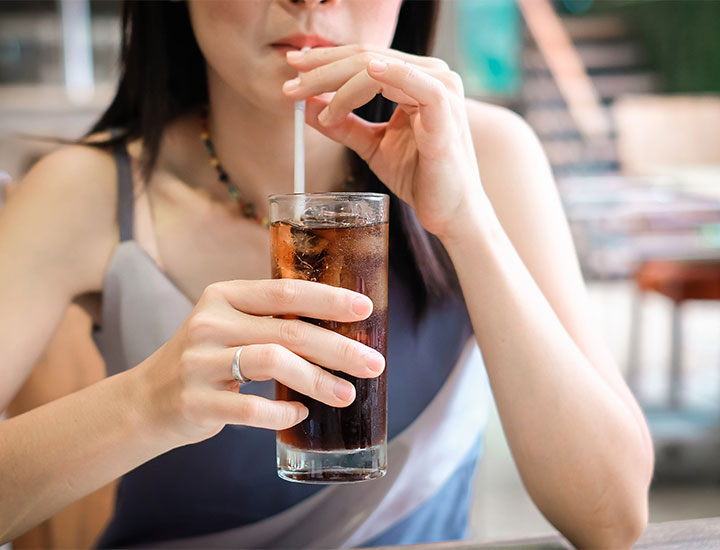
(475, 215)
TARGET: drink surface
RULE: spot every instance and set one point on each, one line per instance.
(353, 257)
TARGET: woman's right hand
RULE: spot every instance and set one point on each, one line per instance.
(192, 394)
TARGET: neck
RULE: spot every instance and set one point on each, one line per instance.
(256, 148)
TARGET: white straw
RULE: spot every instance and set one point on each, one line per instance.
(299, 186)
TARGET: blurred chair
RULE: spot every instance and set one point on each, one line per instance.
(669, 135)
(680, 281)
(676, 141)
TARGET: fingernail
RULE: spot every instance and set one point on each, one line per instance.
(344, 390)
(377, 66)
(375, 361)
(294, 55)
(323, 118)
(360, 305)
(291, 85)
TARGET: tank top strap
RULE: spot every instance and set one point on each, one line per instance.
(125, 194)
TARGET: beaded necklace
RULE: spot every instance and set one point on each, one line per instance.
(247, 208)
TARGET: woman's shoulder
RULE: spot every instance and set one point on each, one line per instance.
(72, 160)
(494, 125)
(503, 140)
(69, 199)
(80, 177)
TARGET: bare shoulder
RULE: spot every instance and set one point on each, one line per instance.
(505, 144)
(81, 180)
(69, 162)
(481, 111)
(495, 128)
(64, 209)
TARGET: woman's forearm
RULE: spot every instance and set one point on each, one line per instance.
(581, 448)
(59, 452)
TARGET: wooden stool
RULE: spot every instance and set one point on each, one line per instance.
(679, 280)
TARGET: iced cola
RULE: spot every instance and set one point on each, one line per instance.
(339, 240)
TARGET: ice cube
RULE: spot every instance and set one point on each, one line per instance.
(310, 252)
(332, 274)
(325, 216)
(307, 242)
(313, 216)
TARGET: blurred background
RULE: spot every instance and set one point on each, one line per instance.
(625, 97)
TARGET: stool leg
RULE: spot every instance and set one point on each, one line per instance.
(676, 375)
(635, 342)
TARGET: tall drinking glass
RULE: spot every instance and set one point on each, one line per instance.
(339, 239)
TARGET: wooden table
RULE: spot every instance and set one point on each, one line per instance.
(694, 534)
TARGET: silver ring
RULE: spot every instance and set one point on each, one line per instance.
(237, 375)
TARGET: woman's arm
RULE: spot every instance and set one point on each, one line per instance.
(56, 233)
(59, 452)
(70, 363)
(578, 437)
(580, 441)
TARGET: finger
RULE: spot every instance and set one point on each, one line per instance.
(292, 297)
(358, 91)
(255, 411)
(316, 344)
(333, 76)
(361, 136)
(230, 328)
(325, 78)
(271, 361)
(429, 92)
(316, 57)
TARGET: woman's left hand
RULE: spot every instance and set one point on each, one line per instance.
(424, 153)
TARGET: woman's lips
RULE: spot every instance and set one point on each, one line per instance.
(300, 41)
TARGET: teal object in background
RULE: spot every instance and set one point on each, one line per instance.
(489, 46)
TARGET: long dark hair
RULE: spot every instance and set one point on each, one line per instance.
(163, 76)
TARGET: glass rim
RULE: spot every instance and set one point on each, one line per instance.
(335, 195)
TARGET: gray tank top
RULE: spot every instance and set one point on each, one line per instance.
(224, 492)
